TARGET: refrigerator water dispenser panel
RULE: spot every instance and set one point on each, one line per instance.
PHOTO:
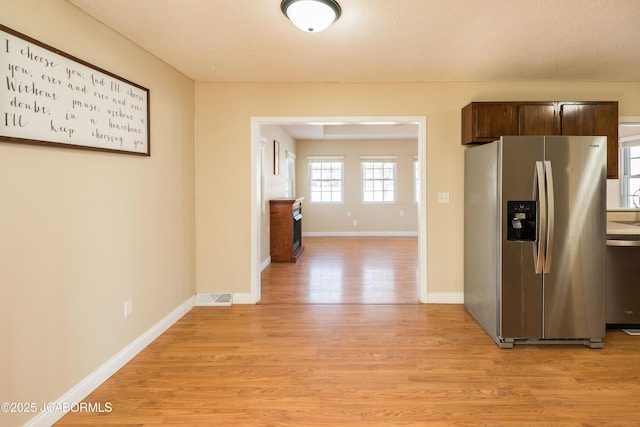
(521, 220)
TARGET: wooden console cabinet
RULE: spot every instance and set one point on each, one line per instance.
(286, 229)
(487, 121)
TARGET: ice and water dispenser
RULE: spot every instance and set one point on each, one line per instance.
(521, 220)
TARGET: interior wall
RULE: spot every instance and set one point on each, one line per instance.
(614, 194)
(400, 217)
(224, 239)
(83, 231)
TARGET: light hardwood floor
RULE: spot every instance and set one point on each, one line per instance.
(346, 270)
(297, 364)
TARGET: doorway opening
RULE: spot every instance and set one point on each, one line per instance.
(258, 151)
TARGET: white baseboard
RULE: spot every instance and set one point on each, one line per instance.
(445, 298)
(360, 234)
(244, 298)
(100, 375)
(265, 263)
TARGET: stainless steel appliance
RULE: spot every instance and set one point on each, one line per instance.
(623, 280)
(534, 239)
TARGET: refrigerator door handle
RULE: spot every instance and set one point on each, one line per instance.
(548, 172)
(539, 195)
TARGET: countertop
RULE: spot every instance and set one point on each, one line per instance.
(620, 222)
(618, 228)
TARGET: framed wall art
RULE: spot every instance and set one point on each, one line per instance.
(276, 157)
(49, 97)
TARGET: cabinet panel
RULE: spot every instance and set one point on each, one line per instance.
(538, 119)
(494, 120)
(488, 121)
(597, 119)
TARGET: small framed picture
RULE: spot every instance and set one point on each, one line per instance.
(276, 157)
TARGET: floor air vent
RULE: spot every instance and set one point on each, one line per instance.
(223, 300)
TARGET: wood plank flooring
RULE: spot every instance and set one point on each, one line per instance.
(296, 364)
(346, 270)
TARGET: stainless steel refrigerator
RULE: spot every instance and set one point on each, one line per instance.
(535, 239)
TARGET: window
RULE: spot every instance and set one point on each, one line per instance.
(631, 176)
(325, 179)
(289, 175)
(378, 180)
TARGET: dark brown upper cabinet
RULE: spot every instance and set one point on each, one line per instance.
(487, 121)
(538, 119)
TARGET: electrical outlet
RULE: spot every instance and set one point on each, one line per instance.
(401, 213)
(128, 308)
(348, 214)
(443, 197)
(355, 223)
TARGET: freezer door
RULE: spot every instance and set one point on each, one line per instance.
(575, 268)
(520, 286)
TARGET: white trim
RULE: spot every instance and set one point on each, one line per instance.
(245, 298)
(381, 158)
(255, 213)
(100, 375)
(422, 209)
(360, 234)
(445, 298)
(629, 141)
(265, 263)
(631, 120)
(325, 158)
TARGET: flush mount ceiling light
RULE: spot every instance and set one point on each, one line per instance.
(311, 16)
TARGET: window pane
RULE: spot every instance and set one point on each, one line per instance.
(325, 183)
(634, 193)
(630, 161)
(378, 181)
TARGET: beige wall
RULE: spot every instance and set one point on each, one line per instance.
(372, 218)
(224, 235)
(82, 231)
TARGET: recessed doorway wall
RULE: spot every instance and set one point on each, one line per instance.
(257, 145)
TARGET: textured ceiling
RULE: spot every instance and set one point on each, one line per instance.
(387, 40)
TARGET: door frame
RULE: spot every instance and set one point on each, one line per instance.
(258, 121)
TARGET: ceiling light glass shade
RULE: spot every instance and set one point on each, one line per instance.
(311, 16)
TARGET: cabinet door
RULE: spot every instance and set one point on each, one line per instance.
(538, 119)
(593, 119)
(488, 121)
(494, 120)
